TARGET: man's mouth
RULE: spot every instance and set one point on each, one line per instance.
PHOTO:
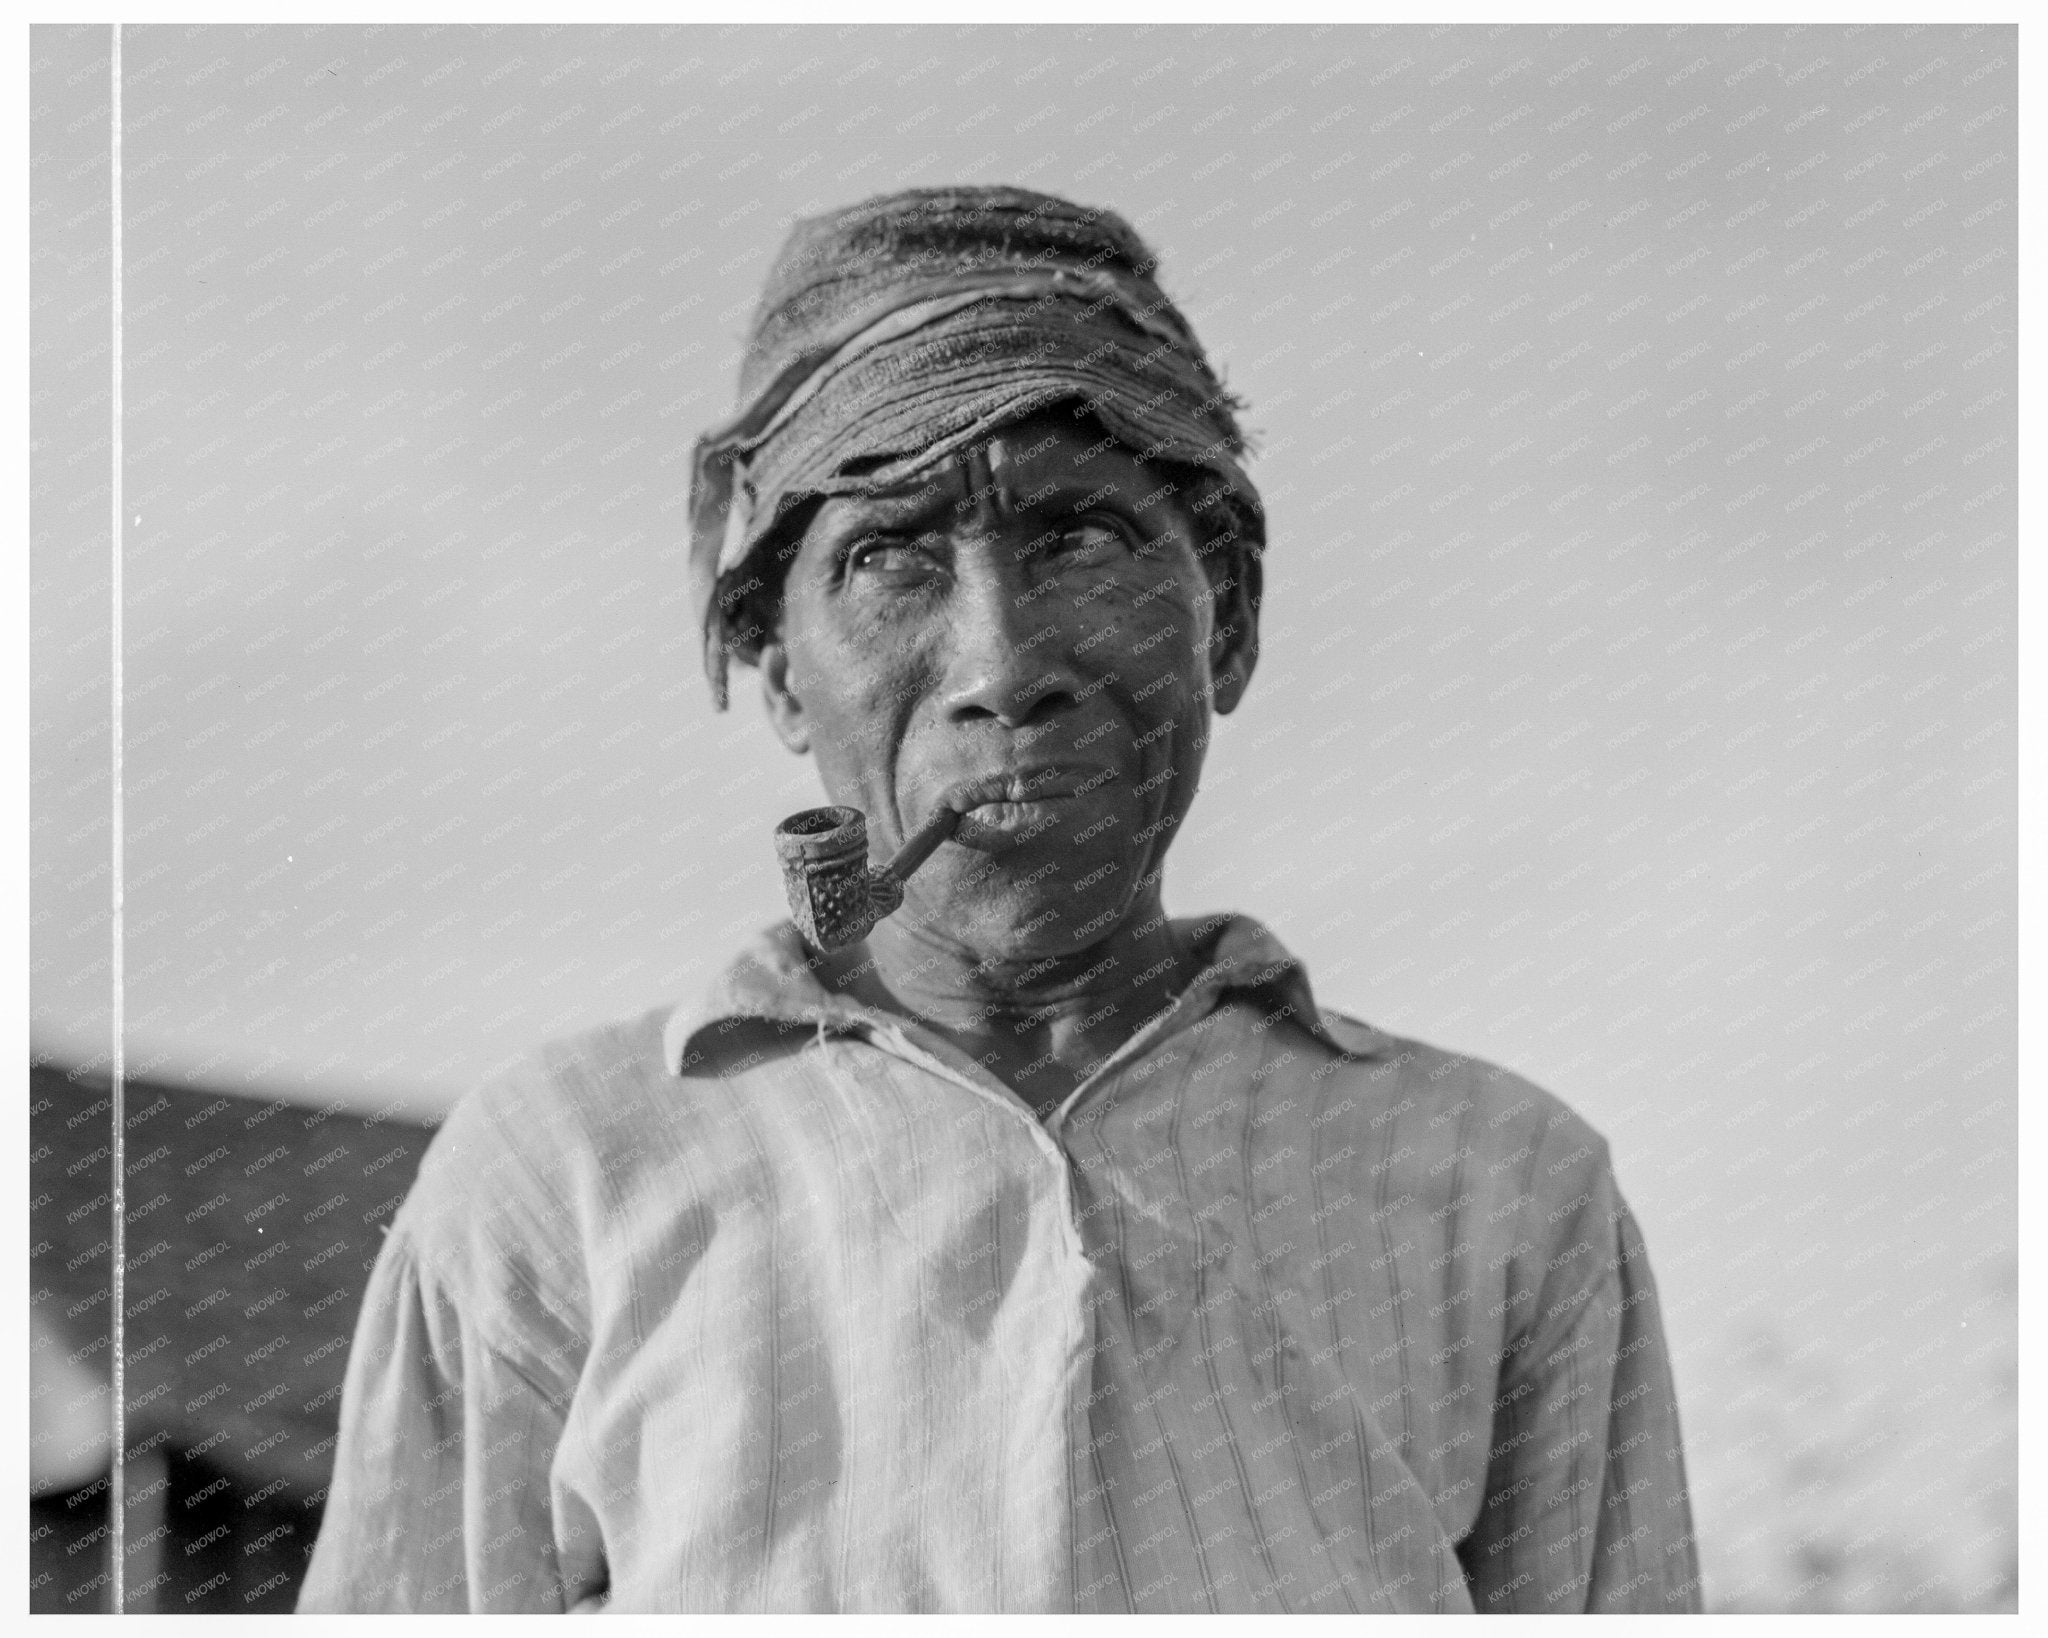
(1019, 786)
(1019, 803)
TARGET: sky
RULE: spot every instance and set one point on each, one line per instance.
(1634, 413)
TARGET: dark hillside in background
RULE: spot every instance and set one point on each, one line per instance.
(251, 1229)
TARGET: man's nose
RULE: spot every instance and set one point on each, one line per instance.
(1010, 655)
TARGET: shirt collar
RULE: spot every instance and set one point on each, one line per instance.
(772, 978)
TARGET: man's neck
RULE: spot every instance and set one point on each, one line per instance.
(1040, 1026)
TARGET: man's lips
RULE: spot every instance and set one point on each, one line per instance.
(1020, 800)
(1020, 785)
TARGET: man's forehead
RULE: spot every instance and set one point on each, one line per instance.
(1037, 458)
(1036, 436)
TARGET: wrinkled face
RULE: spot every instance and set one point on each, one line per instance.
(1028, 636)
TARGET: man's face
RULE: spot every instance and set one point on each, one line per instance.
(1027, 635)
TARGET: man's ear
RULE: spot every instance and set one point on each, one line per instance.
(785, 708)
(1234, 643)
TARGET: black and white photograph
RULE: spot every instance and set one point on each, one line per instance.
(993, 817)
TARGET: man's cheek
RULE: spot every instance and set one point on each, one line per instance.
(1163, 704)
(868, 705)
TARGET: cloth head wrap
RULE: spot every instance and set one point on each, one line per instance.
(903, 328)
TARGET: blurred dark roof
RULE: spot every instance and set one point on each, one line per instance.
(251, 1228)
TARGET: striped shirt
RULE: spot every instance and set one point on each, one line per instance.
(787, 1303)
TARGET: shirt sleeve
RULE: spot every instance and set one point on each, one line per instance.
(440, 1494)
(1586, 1506)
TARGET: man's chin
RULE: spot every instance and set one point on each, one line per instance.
(1023, 920)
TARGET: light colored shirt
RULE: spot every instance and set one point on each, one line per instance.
(787, 1303)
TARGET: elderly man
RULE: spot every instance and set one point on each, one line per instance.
(1040, 1251)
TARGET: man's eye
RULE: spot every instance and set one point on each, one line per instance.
(1092, 538)
(883, 556)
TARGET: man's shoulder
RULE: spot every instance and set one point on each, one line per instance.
(1438, 1101)
(521, 1150)
(1522, 1170)
(1469, 1102)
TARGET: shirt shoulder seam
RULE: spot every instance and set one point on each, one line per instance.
(406, 1243)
